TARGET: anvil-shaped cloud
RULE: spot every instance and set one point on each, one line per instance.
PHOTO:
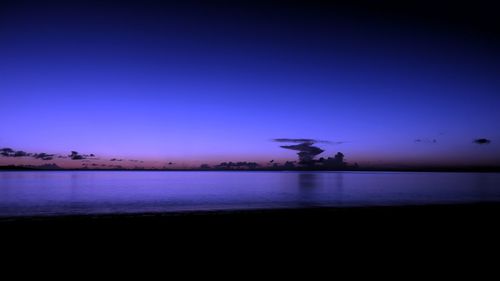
(307, 151)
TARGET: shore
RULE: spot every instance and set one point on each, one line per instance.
(338, 231)
(321, 218)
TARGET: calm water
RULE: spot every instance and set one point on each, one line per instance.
(52, 193)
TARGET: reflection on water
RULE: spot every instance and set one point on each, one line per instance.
(307, 182)
(339, 187)
(29, 193)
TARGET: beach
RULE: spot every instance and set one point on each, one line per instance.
(477, 215)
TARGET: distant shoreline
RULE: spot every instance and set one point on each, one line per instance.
(430, 169)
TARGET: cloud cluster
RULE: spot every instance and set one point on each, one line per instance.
(9, 152)
(43, 156)
(77, 156)
(306, 148)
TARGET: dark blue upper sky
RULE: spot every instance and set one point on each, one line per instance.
(210, 81)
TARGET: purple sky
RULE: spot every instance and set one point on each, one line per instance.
(210, 82)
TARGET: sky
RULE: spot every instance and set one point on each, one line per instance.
(191, 82)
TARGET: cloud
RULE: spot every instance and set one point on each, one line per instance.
(43, 156)
(77, 156)
(482, 141)
(21, 153)
(307, 141)
(9, 152)
(307, 151)
(425, 140)
(6, 152)
(300, 140)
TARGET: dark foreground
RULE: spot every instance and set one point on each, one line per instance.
(480, 217)
(353, 234)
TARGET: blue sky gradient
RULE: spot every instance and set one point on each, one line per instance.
(194, 83)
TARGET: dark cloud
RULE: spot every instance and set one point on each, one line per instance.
(9, 152)
(307, 151)
(21, 153)
(77, 156)
(43, 156)
(425, 140)
(300, 140)
(482, 141)
(307, 141)
(6, 151)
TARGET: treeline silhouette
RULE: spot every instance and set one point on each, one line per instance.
(336, 162)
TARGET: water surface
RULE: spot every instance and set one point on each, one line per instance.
(99, 192)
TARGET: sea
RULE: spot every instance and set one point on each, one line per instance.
(56, 193)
